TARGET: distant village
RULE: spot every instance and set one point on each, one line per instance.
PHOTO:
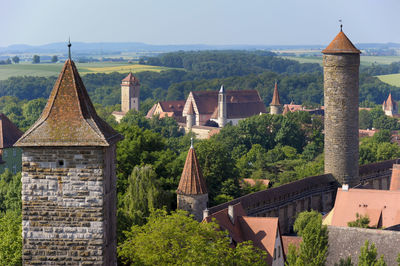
(70, 147)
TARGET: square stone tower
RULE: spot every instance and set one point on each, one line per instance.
(68, 180)
(130, 93)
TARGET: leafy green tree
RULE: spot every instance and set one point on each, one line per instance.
(361, 221)
(364, 119)
(35, 59)
(368, 256)
(314, 247)
(32, 110)
(10, 192)
(177, 239)
(11, 238)
(15, 59)
(345, 262)
(54, 59)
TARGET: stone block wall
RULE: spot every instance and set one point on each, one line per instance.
(194, 204)
(341, 116)
(69, 206)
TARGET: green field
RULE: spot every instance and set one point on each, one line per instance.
(44, 70)
(365, 60)
(392, 79)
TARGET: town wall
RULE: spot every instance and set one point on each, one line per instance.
(69, 205)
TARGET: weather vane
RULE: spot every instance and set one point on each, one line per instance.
(341, 25)
(69, 48)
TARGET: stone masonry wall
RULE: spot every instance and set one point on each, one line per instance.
(69, 206)
(194, 204)
(341, 116)
(275, 109)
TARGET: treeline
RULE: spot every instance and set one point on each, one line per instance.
(375, 69)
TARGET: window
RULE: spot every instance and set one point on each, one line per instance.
(274, 253)
(279, 251)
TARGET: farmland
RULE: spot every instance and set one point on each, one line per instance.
(392, 79)
(45, 70)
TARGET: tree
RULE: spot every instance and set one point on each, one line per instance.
(54, 59)
(314, 247)
(361, 221)
(10, 192)
(178, 239)
(15, 59)
(368, 256)
(11, 238)
(35, 59)
(345, 262)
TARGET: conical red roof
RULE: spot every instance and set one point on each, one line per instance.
(192, 181)
(275, 98)
(9, 133)
(131, 78)
(69, 118)
(341, 45)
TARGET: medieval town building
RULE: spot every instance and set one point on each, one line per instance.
(130, 90)
(68, 180)
(10, 156)
(167, 109)
(275, 106)
(390, 107)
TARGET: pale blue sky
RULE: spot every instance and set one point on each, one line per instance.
(261, 22)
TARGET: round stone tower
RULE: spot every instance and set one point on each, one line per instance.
(341, 61)
(275, 106)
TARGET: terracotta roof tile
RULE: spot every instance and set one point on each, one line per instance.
(9, 133)
(69, 118)
(395, 179)
(341, 45)
(275, 98)
(192, 181)
(291, 240)
(131, 79)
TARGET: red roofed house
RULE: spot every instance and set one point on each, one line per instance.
(192, 195)
(129, 96)
(167, 109)
(10, 157)
(390, 107)
(381, 206)
(224, 106)
(264, 232)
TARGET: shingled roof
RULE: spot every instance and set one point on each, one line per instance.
(69, 118)
(131, 79)
(395, 179)
(9, 133)
(192, 181)
(275, 98)
(341, 45)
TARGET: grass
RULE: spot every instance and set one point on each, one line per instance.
(392, 79)
(45, 70)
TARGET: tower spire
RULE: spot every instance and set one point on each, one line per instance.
(69, 48)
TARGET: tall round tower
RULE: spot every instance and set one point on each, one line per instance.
(222, 107)
(275, 106)
(341, 61)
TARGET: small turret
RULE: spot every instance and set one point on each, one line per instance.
(190, 117)
(222, 107)
(192, 195)
(275, 106)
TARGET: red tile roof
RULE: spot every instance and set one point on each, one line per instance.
(341, 45)
(381, 206)
(290, 240)
(275, 98)
(395, 179)
(9, 133)
(131, 79)
(69, 118)
(192, 181)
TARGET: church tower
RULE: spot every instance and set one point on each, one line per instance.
(275, 106)
(341, 61)
(130, 93)
(68, 180)
(192, 195)
(222, 107)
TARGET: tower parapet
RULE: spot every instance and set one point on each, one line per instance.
(68, 180)
(341, 61)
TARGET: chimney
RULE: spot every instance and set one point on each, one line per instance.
(231, 214)
(345, 187)
(206, 213)
(395, 179)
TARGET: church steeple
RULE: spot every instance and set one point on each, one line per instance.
(275, 106)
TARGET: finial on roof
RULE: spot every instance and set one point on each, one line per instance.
(341, 25)
(191, 142)
(222, 89)
(69, 48)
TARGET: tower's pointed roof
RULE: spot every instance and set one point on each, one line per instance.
(389, 100)
(222, 89)
(192, 181)
(191, 109)
(69, 118)
(9, 133)
(131, 79)
(275, 98)
(341, 45)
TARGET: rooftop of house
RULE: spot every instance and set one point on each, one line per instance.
(69, 118)
(171, 108)
(9, 133)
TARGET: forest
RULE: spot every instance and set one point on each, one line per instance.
(150, 159)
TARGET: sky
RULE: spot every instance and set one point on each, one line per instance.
(214, 22)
